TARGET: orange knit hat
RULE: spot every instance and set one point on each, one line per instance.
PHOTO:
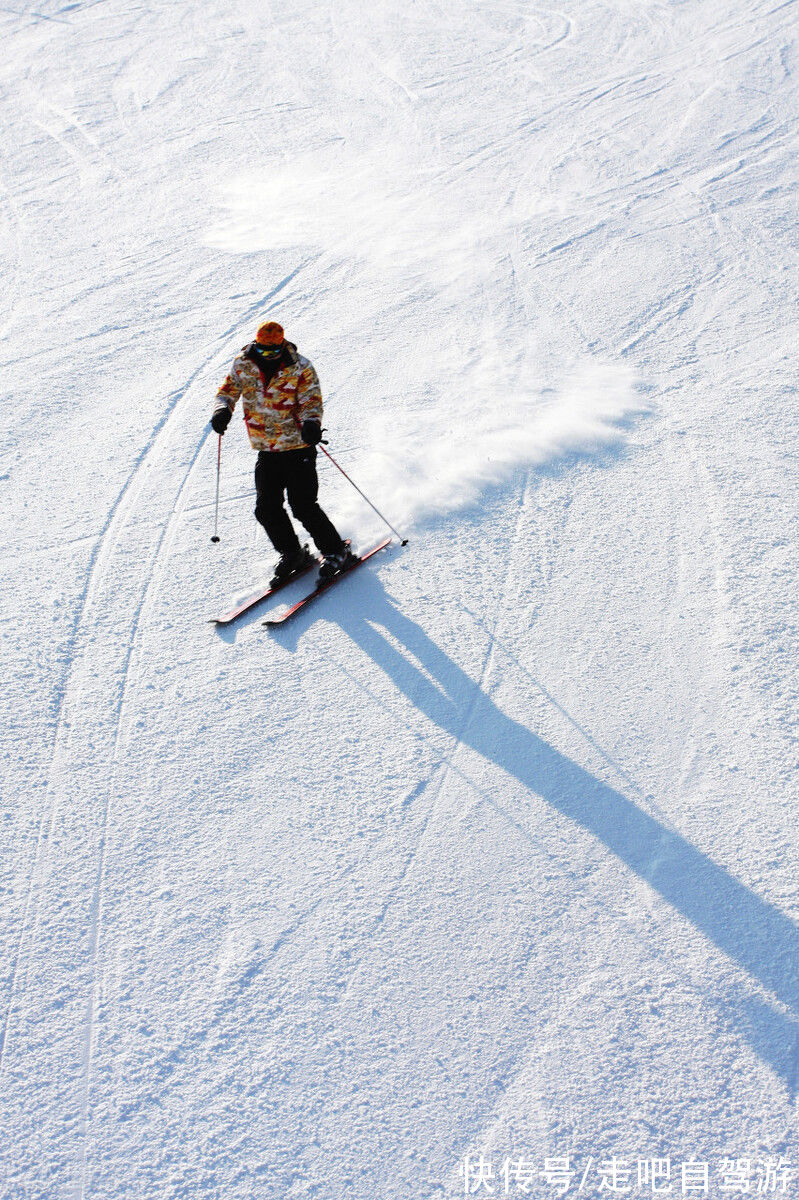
(270, 334)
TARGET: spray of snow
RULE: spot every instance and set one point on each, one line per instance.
(503, 427)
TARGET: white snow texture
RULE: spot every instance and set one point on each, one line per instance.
(480, 877)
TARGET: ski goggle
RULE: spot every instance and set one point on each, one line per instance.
(270, 351)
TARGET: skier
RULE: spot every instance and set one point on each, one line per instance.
(282, 405)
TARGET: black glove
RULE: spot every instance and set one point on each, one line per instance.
(311, 431)
(221, 419)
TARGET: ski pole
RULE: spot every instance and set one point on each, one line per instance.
(215, 535)
(403, 541)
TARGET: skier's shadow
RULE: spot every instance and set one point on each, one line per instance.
(749, 930)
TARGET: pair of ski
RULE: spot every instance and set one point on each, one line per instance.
(257, 597)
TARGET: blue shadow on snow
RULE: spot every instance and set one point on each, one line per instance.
(750, 931)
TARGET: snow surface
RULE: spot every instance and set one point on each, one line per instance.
(493, 851)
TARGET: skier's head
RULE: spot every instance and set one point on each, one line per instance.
(270, 337)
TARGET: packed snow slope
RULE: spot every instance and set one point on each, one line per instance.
(494, 851)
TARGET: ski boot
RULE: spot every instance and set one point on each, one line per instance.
(334, 564)
(291, 564)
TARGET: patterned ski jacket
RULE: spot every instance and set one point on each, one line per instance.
(275, 410)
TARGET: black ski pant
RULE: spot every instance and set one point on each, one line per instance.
(293, 473)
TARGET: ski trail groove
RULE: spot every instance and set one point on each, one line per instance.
(101, 554)
(95, 934)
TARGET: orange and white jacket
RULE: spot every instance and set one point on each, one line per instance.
(273, 413)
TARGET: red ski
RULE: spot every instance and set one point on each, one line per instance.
(295, 608)
(257, 597)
